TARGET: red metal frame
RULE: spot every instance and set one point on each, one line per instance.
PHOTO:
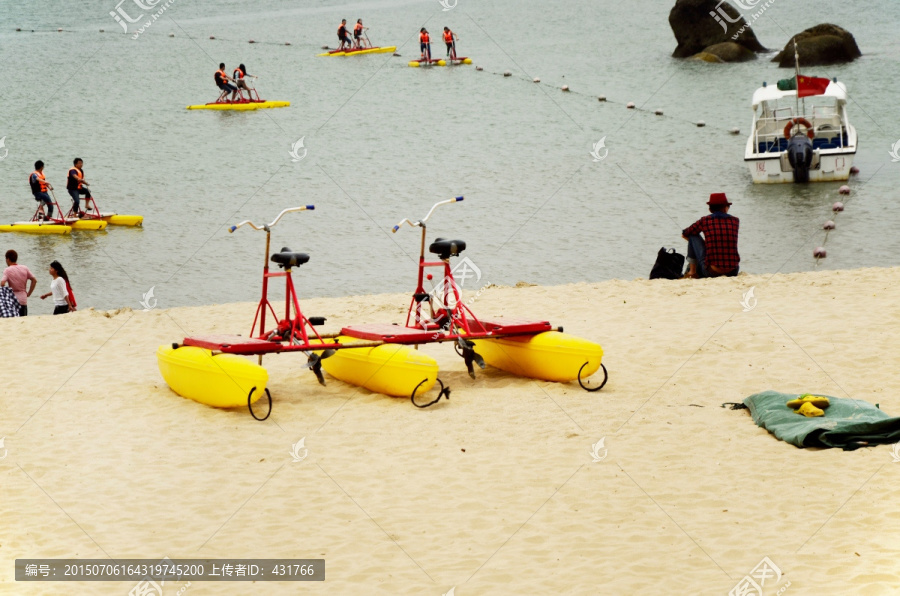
(452, 321)
(59, 219)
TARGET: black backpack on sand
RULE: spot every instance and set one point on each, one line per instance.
(669, 265)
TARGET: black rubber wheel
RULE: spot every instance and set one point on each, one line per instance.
(600, 386)
(250, 404)
(444, 392)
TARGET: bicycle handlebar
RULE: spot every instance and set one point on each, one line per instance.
(419, 223)
(275, 221)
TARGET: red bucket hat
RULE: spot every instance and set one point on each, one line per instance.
(718, 198)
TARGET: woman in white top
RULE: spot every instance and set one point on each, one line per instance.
(59, 289)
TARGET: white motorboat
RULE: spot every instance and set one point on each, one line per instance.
(800, 139)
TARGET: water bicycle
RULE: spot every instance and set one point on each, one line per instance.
(440, 62)
(531, 349)
(209, 369)
(253, 102)
(41, 223)
(93, 214)
(380, 357)
(366, 48)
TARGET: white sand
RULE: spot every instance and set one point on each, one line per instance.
(493, 492)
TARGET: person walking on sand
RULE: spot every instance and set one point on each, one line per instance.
(17, 277)
(63, 299)
(716, 251)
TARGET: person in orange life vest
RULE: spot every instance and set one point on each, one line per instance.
(77, 185)
(222, 82)
(239, 77)
(343, 35)
(358, 31)
(450, 39)
(425, 43)
(39, 186)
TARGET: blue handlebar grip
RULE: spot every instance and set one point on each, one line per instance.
(232, 229)
(311, 207)
(458, 199)
(396, 228)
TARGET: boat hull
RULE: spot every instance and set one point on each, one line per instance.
(36, 228)
(250, 105)
(391, 369)
(831, 168)
(221, 381)
(548, 356)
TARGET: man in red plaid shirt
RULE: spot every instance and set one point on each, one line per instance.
(716, 251)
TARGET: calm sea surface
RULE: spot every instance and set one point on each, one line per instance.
(384, 142)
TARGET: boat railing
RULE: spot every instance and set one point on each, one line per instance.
(829, 132)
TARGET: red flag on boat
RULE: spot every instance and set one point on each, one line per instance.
(807, 86)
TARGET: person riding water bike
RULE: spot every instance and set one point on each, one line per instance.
(450, 39)
(343, 35)
(425, 44)
(239, 77)
(222, 82)
(77, 186)
(39, 187)
(358, 32)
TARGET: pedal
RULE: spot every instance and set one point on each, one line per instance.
(314, 363)
(316, 321)
(470, 355)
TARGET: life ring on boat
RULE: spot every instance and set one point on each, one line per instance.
(803, 122)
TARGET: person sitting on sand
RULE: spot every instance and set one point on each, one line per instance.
(425, 44)
(344, 36)
(77, 186)
(39, 187)
(716, 251)
(17, 277)
(222, 82)
(239, 77)
(63, 298)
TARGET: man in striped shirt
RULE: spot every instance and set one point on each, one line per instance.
(716, 251)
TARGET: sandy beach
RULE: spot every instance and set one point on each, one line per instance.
(493, 492)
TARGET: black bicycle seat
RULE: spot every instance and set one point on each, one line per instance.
(447, 248)
(287, 259)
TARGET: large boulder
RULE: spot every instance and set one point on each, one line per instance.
(707, 57)
(730, 51)
(820, 45)
(698, 24)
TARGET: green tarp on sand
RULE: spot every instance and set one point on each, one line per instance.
(847, 423)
